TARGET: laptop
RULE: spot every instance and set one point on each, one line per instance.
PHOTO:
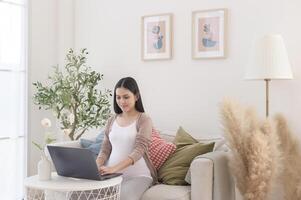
(76, 163)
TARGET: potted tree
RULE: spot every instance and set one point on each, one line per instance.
(73, 96)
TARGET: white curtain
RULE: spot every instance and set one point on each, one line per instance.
(12, 98)
(12, 171)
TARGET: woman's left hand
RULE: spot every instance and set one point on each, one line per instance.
(107, 170)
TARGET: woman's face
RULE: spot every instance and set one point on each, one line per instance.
(125, 99)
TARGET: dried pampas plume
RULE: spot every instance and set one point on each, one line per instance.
(255, 156)
(291, 175)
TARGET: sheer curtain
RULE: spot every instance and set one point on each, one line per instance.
(13, 101)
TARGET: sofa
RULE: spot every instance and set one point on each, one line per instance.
(208, 174)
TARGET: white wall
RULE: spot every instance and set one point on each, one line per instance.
(180, 91)
(51, 30)
(183, 91)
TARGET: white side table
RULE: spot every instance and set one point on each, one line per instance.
(72, 188)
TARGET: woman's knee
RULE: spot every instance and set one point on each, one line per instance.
(133, 189)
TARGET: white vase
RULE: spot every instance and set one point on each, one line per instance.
(44, 169)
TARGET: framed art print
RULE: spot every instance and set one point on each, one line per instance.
(208, 34)
(156, 37)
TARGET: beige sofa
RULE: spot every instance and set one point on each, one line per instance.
(208, 174)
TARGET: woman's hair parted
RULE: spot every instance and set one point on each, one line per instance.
(130, 84)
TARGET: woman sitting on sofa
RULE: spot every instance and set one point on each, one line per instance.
(127, 137)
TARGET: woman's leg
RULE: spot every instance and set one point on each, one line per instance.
(133, 188)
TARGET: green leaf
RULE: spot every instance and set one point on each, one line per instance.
(37, 145)
(49, 140)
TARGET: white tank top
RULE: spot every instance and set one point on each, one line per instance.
(122, 140)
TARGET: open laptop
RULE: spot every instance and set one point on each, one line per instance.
(77, 163)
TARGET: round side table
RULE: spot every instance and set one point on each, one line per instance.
(60, 187)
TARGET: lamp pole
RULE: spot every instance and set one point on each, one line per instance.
(267, 97)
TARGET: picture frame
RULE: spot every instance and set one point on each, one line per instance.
(208, 34)
(156, 37)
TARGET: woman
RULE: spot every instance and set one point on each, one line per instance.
(127, 137)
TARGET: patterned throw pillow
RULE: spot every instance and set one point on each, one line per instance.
(159, 149)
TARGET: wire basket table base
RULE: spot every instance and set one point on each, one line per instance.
(107, 193)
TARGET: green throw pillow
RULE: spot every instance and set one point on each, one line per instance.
(183, 138)
(175, 168)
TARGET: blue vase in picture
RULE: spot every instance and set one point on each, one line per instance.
(207, 42)
(158, 44)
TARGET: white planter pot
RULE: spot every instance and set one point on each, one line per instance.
(44, 169)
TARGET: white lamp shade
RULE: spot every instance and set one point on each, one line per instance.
(269, 59)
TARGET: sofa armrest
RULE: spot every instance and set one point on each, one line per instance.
(201, 180)
(211, 178)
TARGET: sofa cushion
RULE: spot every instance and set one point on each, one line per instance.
(174, 170)
(167, 192)
(159, 149)
(168, 136)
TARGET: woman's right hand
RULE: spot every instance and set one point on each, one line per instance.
(107, 170)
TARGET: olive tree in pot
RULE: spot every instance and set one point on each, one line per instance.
(73, 96)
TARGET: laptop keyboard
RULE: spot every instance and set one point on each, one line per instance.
(108, 176)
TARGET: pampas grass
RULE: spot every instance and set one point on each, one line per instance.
(255, 157)
(289, 145)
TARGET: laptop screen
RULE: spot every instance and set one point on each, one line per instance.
(74, 162)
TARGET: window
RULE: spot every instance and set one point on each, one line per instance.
(13, 101)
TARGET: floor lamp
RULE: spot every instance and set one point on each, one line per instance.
(268, 61)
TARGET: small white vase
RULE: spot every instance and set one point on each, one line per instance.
(44, 169)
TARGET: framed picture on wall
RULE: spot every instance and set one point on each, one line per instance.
(156, 37)
(208, 34)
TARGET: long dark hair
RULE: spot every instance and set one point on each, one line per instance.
(130, 84)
